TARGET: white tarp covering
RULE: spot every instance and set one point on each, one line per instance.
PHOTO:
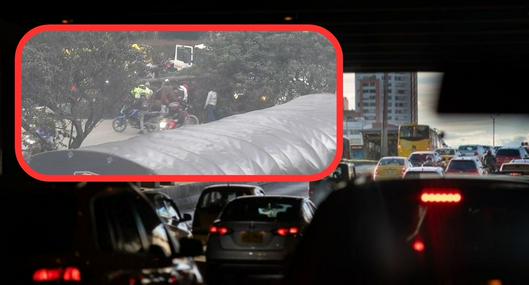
(295, 138)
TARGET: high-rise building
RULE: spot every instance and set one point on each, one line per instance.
(400, 95)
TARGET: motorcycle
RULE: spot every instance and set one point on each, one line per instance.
(177, 112)
(131, 116)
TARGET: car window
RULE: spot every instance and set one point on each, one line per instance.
(264, 210)
(508, 152)
(392, 161)
(153, 226)
(219, 198)
(171, 209)
(425, 174)
(117, 229)
(462, 165)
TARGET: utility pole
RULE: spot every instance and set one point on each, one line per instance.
(493, 116)
(384, 136)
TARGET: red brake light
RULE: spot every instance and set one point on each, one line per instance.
(70, 274)
(282, 232)
(287, 231)
(418, 246)
(47, 275)
(219, 230)
(441, 195)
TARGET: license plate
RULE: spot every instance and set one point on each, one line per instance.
(252, 237)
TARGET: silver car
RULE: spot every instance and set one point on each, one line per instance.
(256, 235)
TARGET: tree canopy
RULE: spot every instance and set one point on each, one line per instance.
(77, 77)
(252, 70)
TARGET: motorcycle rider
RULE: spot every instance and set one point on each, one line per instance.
(142, 96)
(490, 161)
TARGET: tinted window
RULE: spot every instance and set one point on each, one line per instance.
(424, 174)
(221, 197)
(116, 225)
(462, 165)
(267, 210)
(446, 151)
(508, 152)
(468, 147)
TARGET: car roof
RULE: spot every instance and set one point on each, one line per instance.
(229, 185)
(393, 157)
(472, 158)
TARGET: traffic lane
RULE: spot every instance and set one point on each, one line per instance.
(104, 133)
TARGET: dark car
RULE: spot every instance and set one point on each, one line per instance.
(320, 189)
(170, 214)
(212, 200)
(439, 231)
(89, 234)
(256, 235)
(504, 155)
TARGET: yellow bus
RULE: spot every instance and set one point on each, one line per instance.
(414, 137)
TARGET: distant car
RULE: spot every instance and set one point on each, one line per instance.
(515, 167)
(320, 189)
(506, 154)
(170, 214)
(423, 172)
(447, 154)
(212, 200)
(419, 158)
(391, 167)
(256, 235)
(472, 150)
(465, 166)
(91, 233)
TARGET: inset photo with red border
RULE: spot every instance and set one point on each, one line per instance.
(160, 103)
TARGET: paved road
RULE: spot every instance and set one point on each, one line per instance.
(103, 133)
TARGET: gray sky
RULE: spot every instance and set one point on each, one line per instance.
(459, 129)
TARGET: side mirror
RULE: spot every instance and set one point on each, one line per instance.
(190, 247)
(186, 217)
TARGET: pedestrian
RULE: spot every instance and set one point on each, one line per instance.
(490, 161)
(210, 105)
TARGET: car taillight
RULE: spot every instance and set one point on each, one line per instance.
(287, 231)
(69, 274)
(441, 195)
(418, 246)
(219, 230)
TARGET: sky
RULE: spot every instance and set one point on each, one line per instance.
(458, 129)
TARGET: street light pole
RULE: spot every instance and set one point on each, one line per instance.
(493, 116)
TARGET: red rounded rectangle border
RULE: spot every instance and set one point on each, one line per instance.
(177, 28)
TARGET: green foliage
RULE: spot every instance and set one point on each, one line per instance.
(78, 77)
(263, 68)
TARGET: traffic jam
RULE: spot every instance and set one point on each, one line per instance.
(267, 154)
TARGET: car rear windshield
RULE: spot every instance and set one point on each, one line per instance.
(462, 165)
(416, 174)
(222, 195)
(508, 152)
(446, 151)
(392, 161)
(262, 210)
(468, 147)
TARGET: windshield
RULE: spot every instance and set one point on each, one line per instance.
(262, 210)
(508, 152)
(391, 162)
(414, 132)
(462, 165)
(446, 151)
